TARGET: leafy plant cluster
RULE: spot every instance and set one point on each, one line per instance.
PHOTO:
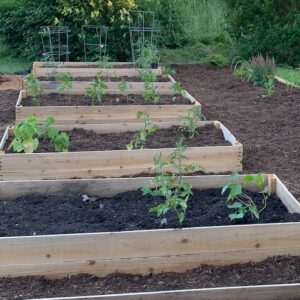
(28, 133)
(243, 204)
(97, 89)
(34, 88)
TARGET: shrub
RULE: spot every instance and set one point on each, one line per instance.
(217, 60)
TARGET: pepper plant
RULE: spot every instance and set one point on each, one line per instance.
(243, 204)
(141, 136)
(97, 89)
(34, 88)
(66, 84)
(170, 185)
(191, 120)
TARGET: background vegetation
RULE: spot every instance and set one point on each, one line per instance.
(191, 30)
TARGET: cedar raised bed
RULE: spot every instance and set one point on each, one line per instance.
(151, 251)
(99, 114)
(91, 164)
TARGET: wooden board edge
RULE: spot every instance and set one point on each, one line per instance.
(280, 79)
(253, 292)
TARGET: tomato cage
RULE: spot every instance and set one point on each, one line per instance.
(94, 41)
(55, 40)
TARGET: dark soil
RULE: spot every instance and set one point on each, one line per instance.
(268, 128)
(273, 270)
(8, 100)
(106, 79)
(57, 99)
(87, 140)
(68, 213)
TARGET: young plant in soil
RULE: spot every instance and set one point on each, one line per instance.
(151, 93)
(28, 133)
(168, 71)
(140, 138)
(269, 86)
(170, 184)
(66, 84)
(191, 120)
(34, 88)
(178, 91)
(104, 62)
(124, 87)
(97, 89)
(243, 204)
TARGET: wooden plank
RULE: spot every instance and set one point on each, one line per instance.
(112, 87)
(89, 72)
(256, 292)
(102, 114)
(286, 82)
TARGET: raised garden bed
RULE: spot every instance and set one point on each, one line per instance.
(149, 251)
(221, 155)
(77, 109)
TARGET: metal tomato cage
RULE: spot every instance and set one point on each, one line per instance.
(94, 40)
(143, 32)
(55, 40)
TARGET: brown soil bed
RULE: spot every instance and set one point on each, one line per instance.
(8, 99)
(268, 128)
(10, 82)
(42, 214)
(273, 270)
(56, 99)
(87, 140)
(106, 79)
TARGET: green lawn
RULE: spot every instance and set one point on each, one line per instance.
(10, 64)
(290, 75)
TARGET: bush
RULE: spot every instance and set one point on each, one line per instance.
(269, 27)
(217, 60)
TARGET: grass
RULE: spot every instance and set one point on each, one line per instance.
(292, 76)
(10, 64)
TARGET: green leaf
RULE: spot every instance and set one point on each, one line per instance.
(139, 114)
(225, 188)
(235, 205)
(239, 215)
(129, 146)
(248, 178)
(235, 190)
(146, 191)
(265, 190)
(254, 211)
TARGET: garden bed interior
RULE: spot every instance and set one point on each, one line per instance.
(151, 251)
(90, 164)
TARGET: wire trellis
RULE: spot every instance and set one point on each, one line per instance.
(94, 40)
(55, 40)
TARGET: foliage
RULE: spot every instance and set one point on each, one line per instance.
(243, 203)
(149, 79)
(217, 60)
(168, 71)
(267, 26)
(34, 87)
(170, 186)
(124, 87)
(292, 76)
(104, 62)
(65, 80)
(28, 133)
(191, 120)
(257, 69)
(149, 54)
(178, 90)
(97, 89)
(269, 86)
(141, 136)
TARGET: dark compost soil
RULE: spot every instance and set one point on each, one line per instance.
(268, 128)
(8, 100)
(273, 270)
(106, 79)
(56, 99)
(67, 213)
(87, 140)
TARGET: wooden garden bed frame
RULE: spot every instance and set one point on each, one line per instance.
(151, 251)
(103, 114)
(114, 163)
(112, 87)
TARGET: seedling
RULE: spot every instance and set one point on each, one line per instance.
(191, 120)
(124, 87)
(97, 89)
(28, 133)
(66, 84)
(34, 88)
(243, 204)
(104, 62)
(168, 71)
(269, 85)
(178, 90)
(141, 136)
(147, 76)
(151, 93)
(171, 187)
